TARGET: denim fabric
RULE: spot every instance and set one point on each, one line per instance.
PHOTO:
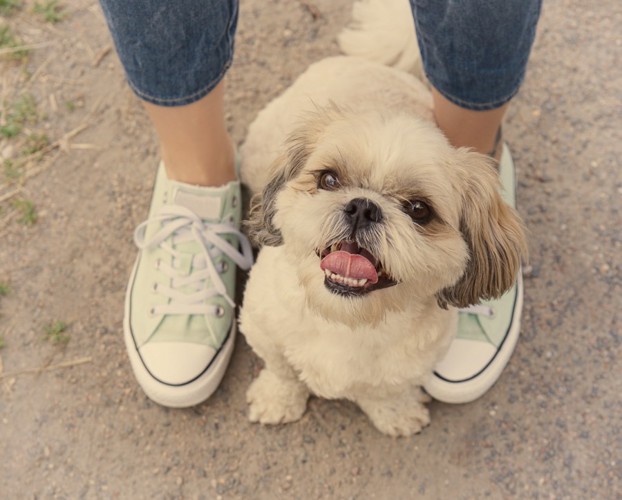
(173, 52)
(475, 52)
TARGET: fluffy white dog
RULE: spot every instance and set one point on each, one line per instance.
(373, 230)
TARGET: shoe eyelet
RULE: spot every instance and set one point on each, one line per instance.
(157, 263)
(234, 202)
(155, 287)
(152, 312)
(224, 266)
(219, 312)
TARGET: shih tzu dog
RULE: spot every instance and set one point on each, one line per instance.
(373, 230)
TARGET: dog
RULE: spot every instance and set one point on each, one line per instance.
(372, 230)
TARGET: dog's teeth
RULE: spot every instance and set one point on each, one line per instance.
(344, 280)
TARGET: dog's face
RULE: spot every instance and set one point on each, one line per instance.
(378, 212)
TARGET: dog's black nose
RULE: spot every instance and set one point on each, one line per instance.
(362, 212)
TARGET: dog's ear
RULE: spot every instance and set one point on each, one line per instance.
(492, 230)
(259, 226)
(287, 166)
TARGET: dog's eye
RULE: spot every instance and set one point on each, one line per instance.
(419, 211)
(328, 181)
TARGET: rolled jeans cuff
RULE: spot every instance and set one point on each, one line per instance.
(173, 53)
(475, 52)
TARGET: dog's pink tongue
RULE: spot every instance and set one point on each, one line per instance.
(350, 265)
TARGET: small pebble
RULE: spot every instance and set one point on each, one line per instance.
(7, 152)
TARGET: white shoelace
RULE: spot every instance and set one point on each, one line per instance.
(185, 226)
(478, 310)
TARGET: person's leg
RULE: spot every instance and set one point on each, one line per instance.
(175, 55)
(179, 321)
(194, 142)
(474, 54)
(479, 130)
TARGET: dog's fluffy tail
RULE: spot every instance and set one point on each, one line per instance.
(383, 31)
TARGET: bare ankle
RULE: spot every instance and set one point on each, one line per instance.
(195, 145)
(214, 169)
(478, 130)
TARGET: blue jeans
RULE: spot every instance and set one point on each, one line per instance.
(175, 52)
(475, 51)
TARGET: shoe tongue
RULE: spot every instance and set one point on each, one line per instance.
(206, 202)
(211, 204)
(350, 265)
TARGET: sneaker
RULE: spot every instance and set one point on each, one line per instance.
(487, 332)
(179, 320)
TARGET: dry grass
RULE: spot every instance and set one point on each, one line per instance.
(28, 145)
(41, 369)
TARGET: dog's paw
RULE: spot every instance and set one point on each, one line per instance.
(274, 400)
(397, 417)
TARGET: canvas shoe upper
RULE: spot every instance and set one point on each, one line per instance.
(179, 312)
(487, 332)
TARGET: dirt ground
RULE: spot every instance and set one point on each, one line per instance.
(74, 423)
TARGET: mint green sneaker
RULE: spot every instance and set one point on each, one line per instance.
(179, 320)
(487, 332)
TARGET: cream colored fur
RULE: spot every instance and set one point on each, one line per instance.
(383, 31)
(372, 126)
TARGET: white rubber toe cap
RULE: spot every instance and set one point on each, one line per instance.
(176, 363)
(465, 359)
